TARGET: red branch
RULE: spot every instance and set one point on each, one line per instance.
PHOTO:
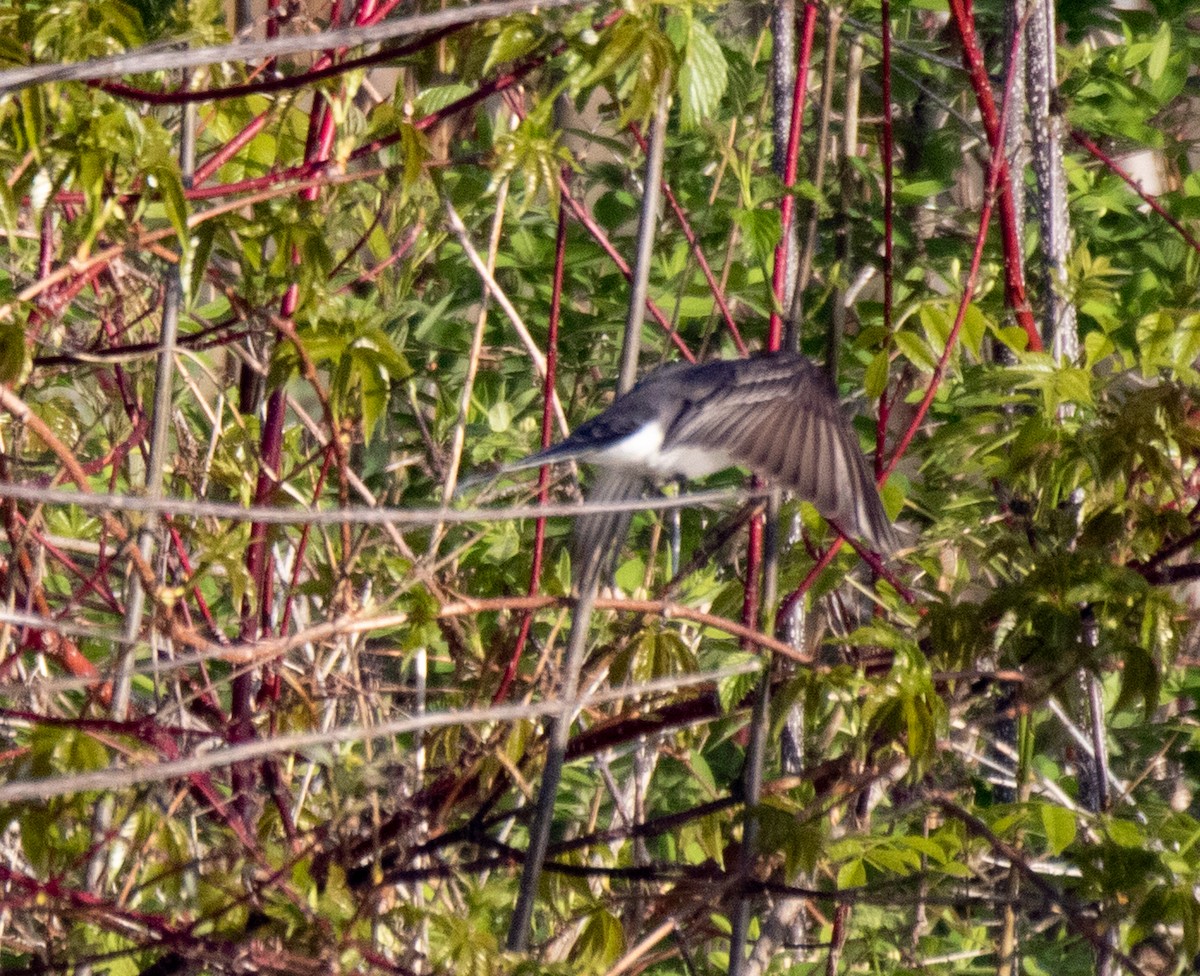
(539, 539)
(993, 124)
(1134, 185)
(227, 151)
(694, 242)
(996, 171)
(787, 206)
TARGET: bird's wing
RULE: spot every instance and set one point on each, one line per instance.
(782, 420)
(597, 537)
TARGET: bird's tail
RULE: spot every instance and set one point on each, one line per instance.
(597, 537)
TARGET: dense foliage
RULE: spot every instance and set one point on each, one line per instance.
(983, 756)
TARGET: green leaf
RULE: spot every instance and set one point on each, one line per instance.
(500, 416)
(617, 46)
(630, 574)
(602, 940)
(14, 355)
(1124, 834)
(937, 324)
(1159, 52)
(974, 328)
(437, 97)
(852, 874)
(875, 380)
(1059, 824)
(915, 350)
(912, 193)
(170, 187)
(703, 839)
(732, 690)
(702, 76)
(8, 208)
(517, 37)
(761, 231)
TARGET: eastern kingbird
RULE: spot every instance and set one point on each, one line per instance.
(776, 414)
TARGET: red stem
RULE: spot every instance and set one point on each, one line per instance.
(318, 143)
(396, 255)
(993, 124)
(585, 218)
(119, 452)
(229, 150)
(1134, 185)
(996, 171)
(787, 206)
(185, 564)
(539, 539)
(95, 582)
(694, 243)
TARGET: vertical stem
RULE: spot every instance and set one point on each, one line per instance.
(647, 226)
(833, 27)
(787, 254)
(887, 152)
(752, 776)
(783, 101)
(556, 752)
(1018, 108)
(1059, 333)
(885, 15)
(135, 601)
(963, 15)
(844, 241)
(594, 569)
(762, 548)
(539, 539)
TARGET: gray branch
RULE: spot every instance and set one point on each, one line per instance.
(157, 57)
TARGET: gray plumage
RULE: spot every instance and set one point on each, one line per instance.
(776, 414)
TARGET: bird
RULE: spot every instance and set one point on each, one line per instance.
(776, 414)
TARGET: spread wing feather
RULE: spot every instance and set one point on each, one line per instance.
(782, 420)
(776, 414)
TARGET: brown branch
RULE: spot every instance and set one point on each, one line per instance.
(663, 608)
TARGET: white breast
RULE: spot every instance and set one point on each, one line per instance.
(642, 451)
(692, 462)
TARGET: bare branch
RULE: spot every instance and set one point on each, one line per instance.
(159, 58)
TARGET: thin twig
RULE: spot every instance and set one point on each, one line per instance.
(458, 228)
(161, 57)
